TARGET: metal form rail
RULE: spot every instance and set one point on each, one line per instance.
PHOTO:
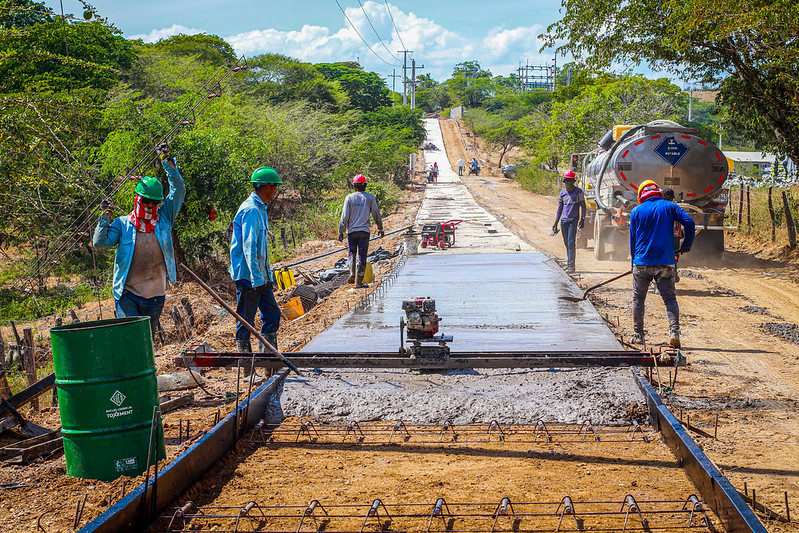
(453, 362)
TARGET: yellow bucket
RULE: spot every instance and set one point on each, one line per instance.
(368, 275)
(292, 309)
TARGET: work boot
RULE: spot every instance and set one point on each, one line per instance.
(351, 279)
(271, 339)
(359, 284)
(674, 339)
(637, 338)
(243, 346)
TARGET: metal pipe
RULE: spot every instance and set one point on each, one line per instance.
(238, 317)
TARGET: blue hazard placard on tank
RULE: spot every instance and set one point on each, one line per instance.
(671, 150)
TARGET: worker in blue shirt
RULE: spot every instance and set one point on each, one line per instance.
(653, 256)
(249, 262)
(144, 264)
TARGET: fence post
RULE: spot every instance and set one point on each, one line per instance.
(740, 205)
(789, 221)
(29, 361)
(5, 390)
(283, 237)
(748, 211)
(771, 214)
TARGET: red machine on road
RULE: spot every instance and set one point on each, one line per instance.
(441, 234)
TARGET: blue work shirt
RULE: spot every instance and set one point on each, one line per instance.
(122, 234)
(249, 247)
(652, 231)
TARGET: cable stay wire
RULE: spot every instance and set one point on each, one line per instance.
(378, 56)
(395, 26)
(377, 34)
(147, 155)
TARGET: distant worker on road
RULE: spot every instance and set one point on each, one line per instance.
(249, 261)
(144, 264)
(358, 206)
(461, 166)
(571, 215)
(474, 167)
(652, 251)
(435, 172)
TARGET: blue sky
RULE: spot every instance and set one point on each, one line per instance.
(441, 33)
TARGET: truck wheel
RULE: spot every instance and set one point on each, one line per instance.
(600, 235)
(582, 238)
(621, 245)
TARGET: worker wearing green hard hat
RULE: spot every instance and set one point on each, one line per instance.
(249, 261)
(144, 264)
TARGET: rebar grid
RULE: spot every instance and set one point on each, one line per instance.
(380, 433)
(470, 517)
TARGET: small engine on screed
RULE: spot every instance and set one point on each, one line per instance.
(422, 326)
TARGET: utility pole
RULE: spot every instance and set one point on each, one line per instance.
(690, 104)
(413, 83)
(405, 75)
(394, 77)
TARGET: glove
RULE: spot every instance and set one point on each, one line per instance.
(555, 230)
(581, 224)
(108, 213)
(683, 250)
(381, 233)
(340, 237)
(261, 289)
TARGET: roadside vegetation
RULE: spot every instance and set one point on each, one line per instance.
(70, 126)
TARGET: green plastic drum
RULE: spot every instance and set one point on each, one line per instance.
(105, 374)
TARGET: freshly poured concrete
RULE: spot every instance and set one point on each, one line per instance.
(494, 293)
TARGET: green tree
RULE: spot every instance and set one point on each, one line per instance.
(503, 138)
(367, 91)
(749, 46)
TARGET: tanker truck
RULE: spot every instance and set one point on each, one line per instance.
(671, 155)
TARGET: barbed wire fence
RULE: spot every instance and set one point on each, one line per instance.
(766, 212)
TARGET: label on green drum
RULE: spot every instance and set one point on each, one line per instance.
(123, 465)
(118, 399)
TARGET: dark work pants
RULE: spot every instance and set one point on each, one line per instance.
(664, 277)
(358, 242)
(248, 301)
(130, 304)
(568, 229)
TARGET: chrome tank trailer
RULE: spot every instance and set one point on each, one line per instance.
(672, 156)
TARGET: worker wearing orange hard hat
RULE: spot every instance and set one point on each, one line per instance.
(358, 207)
(652, 251)
(571, 216)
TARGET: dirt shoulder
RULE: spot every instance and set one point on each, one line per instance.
(738, 370)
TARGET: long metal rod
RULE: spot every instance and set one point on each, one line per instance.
(716, 490)
(243, 322)
(338, 250)
(455, 360)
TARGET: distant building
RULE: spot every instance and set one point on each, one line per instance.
(756, 160)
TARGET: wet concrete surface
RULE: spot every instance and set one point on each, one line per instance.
(494, 293)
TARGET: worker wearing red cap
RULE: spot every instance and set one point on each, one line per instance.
(355, 214)
(571, 215)
(652, 251)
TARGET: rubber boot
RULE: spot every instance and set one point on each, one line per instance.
(351, 279)
(638, 337)
(674, 339)
(243, 346)
(359, 284)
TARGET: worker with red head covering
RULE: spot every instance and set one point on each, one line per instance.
(355, 214)
(652, 251)
(571, 215)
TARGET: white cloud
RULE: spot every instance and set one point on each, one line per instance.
(156, 35)
(433, 46)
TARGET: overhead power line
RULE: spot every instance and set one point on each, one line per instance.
(395, 25)
(376, 34)
(378, 56)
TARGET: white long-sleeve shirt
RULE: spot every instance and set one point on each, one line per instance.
(355, 214)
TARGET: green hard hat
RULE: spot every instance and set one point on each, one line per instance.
(265, 175)
(150, 188)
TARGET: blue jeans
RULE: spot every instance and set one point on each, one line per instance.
(358, 242)
(248, 301)
(131, 305)
(568, 228)
(664, 277)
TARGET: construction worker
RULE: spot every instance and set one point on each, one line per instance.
(358, 206)
(461, 166)
(652, 251)
(249, 261)
(145, 258)
(571, 215)
(435, 172)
